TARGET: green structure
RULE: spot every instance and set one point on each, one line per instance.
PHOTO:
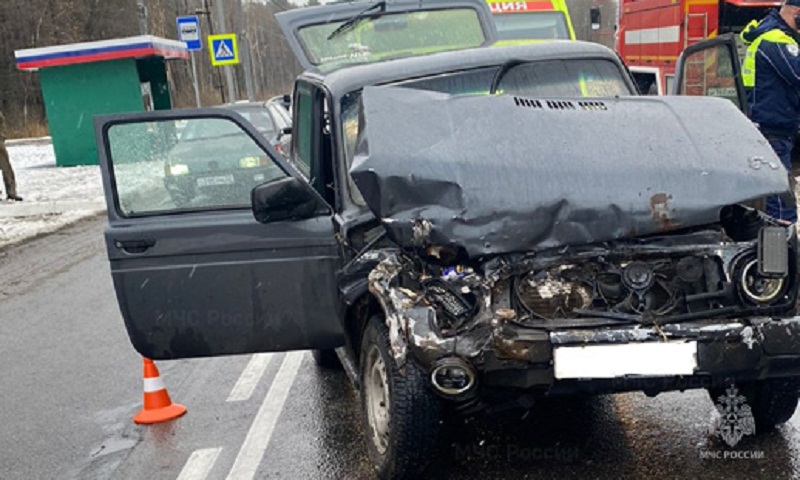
(82, 80)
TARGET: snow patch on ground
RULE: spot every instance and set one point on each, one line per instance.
(17, 229)
(54, 196)
(40, 180)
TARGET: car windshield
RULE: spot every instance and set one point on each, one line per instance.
(531, 25)
(377, 38)
(259, 117)
(554, 78)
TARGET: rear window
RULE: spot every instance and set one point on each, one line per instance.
(565, 78)
(259, 117)
(373, 39)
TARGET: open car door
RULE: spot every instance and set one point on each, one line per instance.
(711, 68)
(195, 273)
(332, 36)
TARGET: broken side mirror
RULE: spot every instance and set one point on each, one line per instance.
(594, 17)
(285, 199)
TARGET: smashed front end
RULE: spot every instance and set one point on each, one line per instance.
(509, 321)
(561, 263)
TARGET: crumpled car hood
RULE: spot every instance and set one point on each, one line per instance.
(500, 174)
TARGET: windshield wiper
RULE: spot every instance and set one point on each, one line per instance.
(350, 24)
(501, 72)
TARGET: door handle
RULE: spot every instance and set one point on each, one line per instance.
(134, 246)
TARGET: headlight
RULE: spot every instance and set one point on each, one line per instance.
(453, 376)
(249, 162)
(757, 288)
(177, 169)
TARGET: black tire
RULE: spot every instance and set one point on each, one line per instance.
(772, 401)
(326, 359)
(414, 411)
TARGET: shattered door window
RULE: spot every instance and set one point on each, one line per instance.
(157, 170)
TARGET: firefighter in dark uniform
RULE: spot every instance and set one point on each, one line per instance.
(771, 76)
(5, 164)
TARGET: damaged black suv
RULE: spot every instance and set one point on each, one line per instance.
(467, 228)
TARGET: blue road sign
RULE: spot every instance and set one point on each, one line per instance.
(189, 32)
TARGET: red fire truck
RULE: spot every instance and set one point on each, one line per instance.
(653, 33)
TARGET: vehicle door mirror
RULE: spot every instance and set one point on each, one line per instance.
(594, 17)
(285, 199)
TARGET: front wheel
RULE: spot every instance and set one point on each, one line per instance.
(401, 414)
(772, 401)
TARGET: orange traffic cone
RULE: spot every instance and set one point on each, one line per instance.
(157, 405)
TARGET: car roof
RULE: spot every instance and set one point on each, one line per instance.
(345, 80)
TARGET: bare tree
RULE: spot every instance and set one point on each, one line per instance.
(41, 23)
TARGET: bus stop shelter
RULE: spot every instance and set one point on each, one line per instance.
(82, 80)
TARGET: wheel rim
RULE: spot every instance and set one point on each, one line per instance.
(376, 390)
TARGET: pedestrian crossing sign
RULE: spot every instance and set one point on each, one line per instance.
(223, 49)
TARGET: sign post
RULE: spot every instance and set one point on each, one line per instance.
(225, 52)
(231, 47)
(189, 33)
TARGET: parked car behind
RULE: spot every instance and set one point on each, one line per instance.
(206, 159)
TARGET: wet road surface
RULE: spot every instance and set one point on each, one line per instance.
(72, 382)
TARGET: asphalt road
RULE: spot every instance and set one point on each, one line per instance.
(72, 382)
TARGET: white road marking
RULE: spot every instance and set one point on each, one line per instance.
(250, 377)
(199, 464)
(255, 444)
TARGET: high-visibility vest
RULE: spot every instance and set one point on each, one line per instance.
(776, 35)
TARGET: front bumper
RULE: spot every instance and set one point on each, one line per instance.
(522, 358)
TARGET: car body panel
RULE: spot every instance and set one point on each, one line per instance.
(479, 185)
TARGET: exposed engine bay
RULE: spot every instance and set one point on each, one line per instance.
(514, 308)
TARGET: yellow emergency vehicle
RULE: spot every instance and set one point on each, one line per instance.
(532, 20)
